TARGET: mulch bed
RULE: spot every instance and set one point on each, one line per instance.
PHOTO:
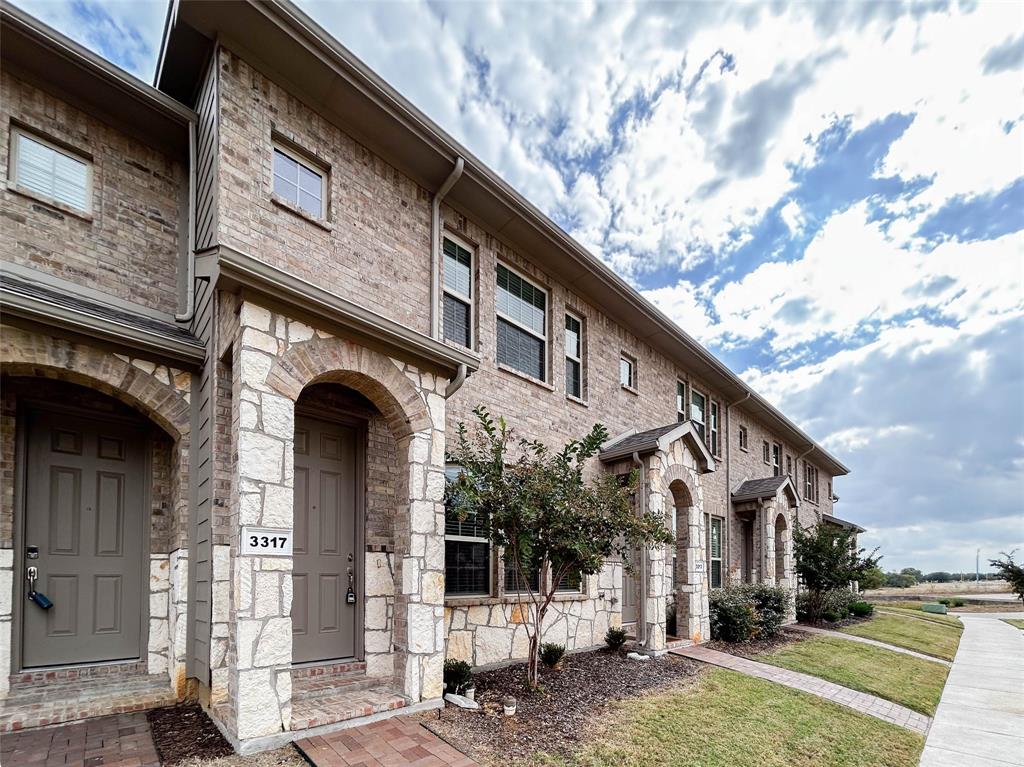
(755, 647)
(553, 718)
(185, 732)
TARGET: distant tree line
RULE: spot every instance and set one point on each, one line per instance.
(876, 578)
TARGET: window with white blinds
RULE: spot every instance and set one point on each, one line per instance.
(52, 172)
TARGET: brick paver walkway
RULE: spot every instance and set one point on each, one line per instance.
(396, 742)
(122, 740)
(858, 701)
(872, 642)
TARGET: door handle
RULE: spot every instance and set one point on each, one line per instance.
(350, 595)
(32, 575)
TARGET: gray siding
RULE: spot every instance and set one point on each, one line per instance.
(207, 150)
(200, 583)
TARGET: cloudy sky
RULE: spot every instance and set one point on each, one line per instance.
(829, 196)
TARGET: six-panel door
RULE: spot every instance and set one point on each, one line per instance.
(324, 621)
(85, 515)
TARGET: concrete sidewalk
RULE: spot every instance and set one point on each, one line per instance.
(980, 719)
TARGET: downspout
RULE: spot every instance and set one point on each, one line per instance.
(727, 543)
(435, 246)
(190, 256)
(641, 618)
(456, 383)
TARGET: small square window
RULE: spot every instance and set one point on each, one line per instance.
(627, 371)
(299, 183)
(50, 171)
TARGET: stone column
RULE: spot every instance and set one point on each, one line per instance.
(653, 588)
(768, 513)
(7, 596)
(260, 625)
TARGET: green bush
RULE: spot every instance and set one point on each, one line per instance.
(958, 603)
(946, 601)
(615, 638)
(733, 618)
(862, 609)
(551, 654)
(458, 676)
(835, 605)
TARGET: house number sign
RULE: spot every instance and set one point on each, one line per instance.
(266, 542)
(698, 567)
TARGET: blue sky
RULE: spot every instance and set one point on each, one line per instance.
(829, 196)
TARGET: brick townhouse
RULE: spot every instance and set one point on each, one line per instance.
(242, 309)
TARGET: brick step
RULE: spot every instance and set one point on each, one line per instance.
(47, 703)
(105, 671)
(329, 669)
(329, 706)
(312, 687)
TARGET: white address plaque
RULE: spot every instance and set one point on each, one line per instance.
(266, 542)
(698, 567)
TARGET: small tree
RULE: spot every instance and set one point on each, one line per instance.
(827, 558)
(539, 508)
(873, 578)
(1011, 572)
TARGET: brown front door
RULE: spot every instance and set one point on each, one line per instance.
(85, 516)
(325, 566)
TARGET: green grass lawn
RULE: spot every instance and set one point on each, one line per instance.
(928, 637)
(903, 679)
(725, 719)
(949, 620)
(1017, 622)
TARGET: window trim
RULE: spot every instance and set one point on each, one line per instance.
(681, 415)
(471, 298)
(703, 423)
(744, 438)
(582, 396)
(547, 323)
(776, 459)
(634, 381)
(766, 452)
(292, 152)
(17, 132)
(709, 519)
(469, 539)
(714, 428)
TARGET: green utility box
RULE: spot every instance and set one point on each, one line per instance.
(929, 608)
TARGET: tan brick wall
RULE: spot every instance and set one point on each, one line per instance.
(129, 246)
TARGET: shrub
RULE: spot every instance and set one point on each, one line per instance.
(862, 609)
(958, 603)
(615, 638)
(770, 604)
(733, 618)
(551, 654)
(834, 605)
(946, 601)
(458, 676)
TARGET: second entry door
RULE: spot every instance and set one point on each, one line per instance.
(324, 620)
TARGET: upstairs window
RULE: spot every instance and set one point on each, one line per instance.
(299, 183)
(713, 429)
(766, 452)
(627, 371)
(680, 401)
(458, 293)
(789, 466)
(50, 171)
(467, 552)
(522, 324)
(810, 483)
(776, 459)
(574, 356)
(744, 438)
(698, 404)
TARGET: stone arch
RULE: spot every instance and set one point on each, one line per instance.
(132, 381)
(335, 360)
(683, 492)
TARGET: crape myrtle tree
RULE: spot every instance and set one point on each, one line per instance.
(535, 504)
(1011, 572)
(827, 558)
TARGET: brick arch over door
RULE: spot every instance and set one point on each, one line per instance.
(335, 360)
(23, 353)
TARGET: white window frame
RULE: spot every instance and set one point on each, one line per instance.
(582, 396)
(470, 299)
(547, 321)
(811, 483)
(490, 560)
(709, 519)
(630, 360)
(681, 399)
(776, 459)
(714, 430)
(766, 452)
(17, 133)
(704, 417)
(310, 164)
(744, 438)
